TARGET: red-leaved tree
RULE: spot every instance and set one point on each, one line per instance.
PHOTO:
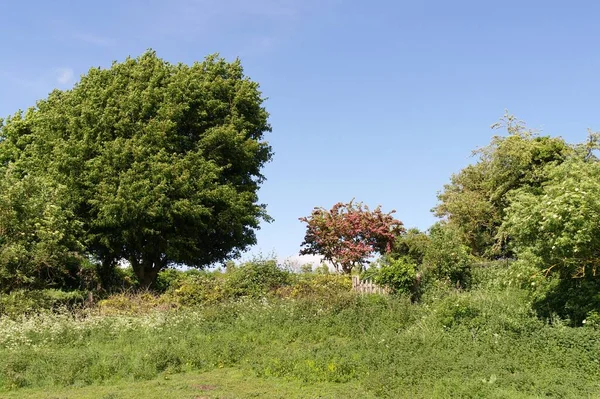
(349, 234)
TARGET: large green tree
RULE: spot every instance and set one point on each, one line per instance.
(556, 230)
(475, 200)
(558, 226)
(161, 162)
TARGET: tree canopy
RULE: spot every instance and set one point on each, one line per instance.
(348, 234)
(159, 164)
(558, 227)
(475, 200)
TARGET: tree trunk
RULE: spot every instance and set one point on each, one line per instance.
(415, 291)
(149, 277)
(106, 274)
(146, 272)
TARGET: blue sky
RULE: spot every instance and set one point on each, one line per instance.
(379, 101)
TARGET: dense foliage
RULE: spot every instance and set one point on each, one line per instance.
(401, 275)
(412, 244)
(40, 237)
(559, 225)
(535, 199)
(475, 200)
(349, 234)
(446, 257)
(420, 260)
(148, 162)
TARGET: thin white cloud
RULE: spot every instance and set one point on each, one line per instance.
(266, 8)
(29, 84)
(258, 45)
(93, 39)
(267, 23)
(38, 82)
(64, 76)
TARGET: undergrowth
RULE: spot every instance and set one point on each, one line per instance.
(480, 343)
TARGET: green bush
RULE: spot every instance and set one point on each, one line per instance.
(116, 279)
(200, 288)
(318, 286)
(168, 277)
(22, 302)
(253, 279)
(483, 312)
(572, 300)
(412, 244)
(256, 278)
(400, 275)
(40, 244)
(135, 303)
(446, 257)
(568, 301)
(558, 226)
(495, 275)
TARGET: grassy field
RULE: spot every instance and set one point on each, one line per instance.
(219, 383)
(483, 343)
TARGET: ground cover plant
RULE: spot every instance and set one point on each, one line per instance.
(486, 342)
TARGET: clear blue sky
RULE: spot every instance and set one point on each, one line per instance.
(375, 100)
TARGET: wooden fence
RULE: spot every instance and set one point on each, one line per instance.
(367, 286)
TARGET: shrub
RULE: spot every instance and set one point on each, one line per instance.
(572, 300)
(558, 226)
(166, 278)
(196, 289)
(318, 286)
(503, 273)
(446, 257)
(130, 303)
(500, 312)
(412, 244)
(475, 201)
(116, 279)
(253, 279)
(256, 278)
(398, 274)
(21, 302)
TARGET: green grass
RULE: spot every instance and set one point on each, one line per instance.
(219, 383)
(484, 343)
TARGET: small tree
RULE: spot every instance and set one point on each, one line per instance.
(348, 234)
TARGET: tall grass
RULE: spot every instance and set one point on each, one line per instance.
(482, 343)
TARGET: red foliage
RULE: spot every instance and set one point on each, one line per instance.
(349, 234)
